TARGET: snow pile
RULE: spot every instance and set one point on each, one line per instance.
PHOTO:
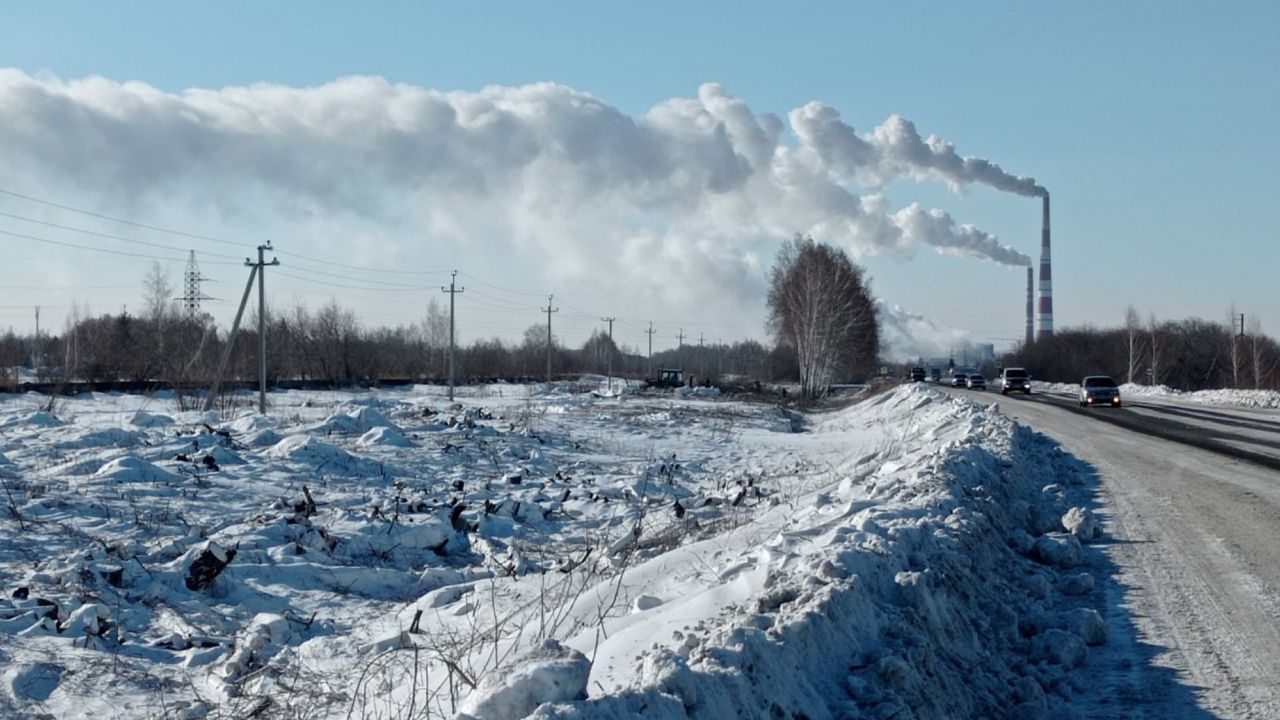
(1259, 399)
(1263, 399)
(145, 419)
(880, 594)
(132, 469)
(553, 553)
(551, 674)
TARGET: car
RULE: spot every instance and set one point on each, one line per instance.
(958, 380)
(935, 374)
(975, 382)
(917, 374)
(1099, 390)
(1015, 378)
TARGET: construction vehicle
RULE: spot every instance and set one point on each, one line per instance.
(667, 378)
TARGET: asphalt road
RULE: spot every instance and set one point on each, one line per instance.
(1190, 499)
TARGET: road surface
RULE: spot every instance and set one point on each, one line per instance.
(1190, 498)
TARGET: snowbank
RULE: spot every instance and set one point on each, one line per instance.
(911, 586)
(546, 552)
(1260, 399)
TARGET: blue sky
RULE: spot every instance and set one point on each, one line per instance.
(1152, 125)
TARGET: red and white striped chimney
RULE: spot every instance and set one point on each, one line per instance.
(1045, 329)
(1031, 307)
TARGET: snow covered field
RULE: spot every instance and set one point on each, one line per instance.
(385, 554)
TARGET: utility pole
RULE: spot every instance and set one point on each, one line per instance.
(453, 292)
(650, 333)
(609, 350)
(1241, 324)
(35, 354)
(680, 340)
(702, 357)
(548, 309)
(262, 323)
(231, 341)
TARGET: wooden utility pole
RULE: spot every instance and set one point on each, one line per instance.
(650, 333)
(262, 324)
(609, 350)
(548, 309)
(231, 341)
(453, 292)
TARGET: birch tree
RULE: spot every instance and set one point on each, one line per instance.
(1156, 357)
(1133, 338)
(435, 331)
(820, 304)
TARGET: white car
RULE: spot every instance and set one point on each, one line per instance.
(976, 382)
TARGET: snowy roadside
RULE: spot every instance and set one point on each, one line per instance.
(1258, 399)
(903, 557)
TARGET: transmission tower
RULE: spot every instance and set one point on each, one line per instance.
(191, 295)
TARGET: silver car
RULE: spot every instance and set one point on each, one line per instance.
(1099, 390)
(1015, 379)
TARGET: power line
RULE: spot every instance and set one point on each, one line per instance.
(106, 235)
(122, 221)
(95, 249)
(67, 287)
(367, 269)
(497, 287)
(180, 233)
(398, 287)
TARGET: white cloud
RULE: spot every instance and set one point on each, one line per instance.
(683, 205)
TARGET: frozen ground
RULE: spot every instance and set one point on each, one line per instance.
(559, 553)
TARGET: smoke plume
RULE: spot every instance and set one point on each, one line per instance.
(893, 150)
(685, 202)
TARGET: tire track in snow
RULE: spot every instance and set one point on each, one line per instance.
(1195, 544)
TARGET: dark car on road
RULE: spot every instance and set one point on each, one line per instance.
(1099, 390)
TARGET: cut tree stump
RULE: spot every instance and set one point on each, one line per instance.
(210, 563)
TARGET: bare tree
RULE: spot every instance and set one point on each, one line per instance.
(819, 303)
(435, 330)
(1260, 347)
(1153, 331)
(1235, 345)
(1133, 339)
(157, 293)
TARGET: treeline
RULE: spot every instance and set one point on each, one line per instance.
(330, 344)
(1190, 354)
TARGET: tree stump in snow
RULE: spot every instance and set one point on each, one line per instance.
(210, 563)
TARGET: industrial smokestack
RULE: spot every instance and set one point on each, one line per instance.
(1031, 313)
(1045, 329)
